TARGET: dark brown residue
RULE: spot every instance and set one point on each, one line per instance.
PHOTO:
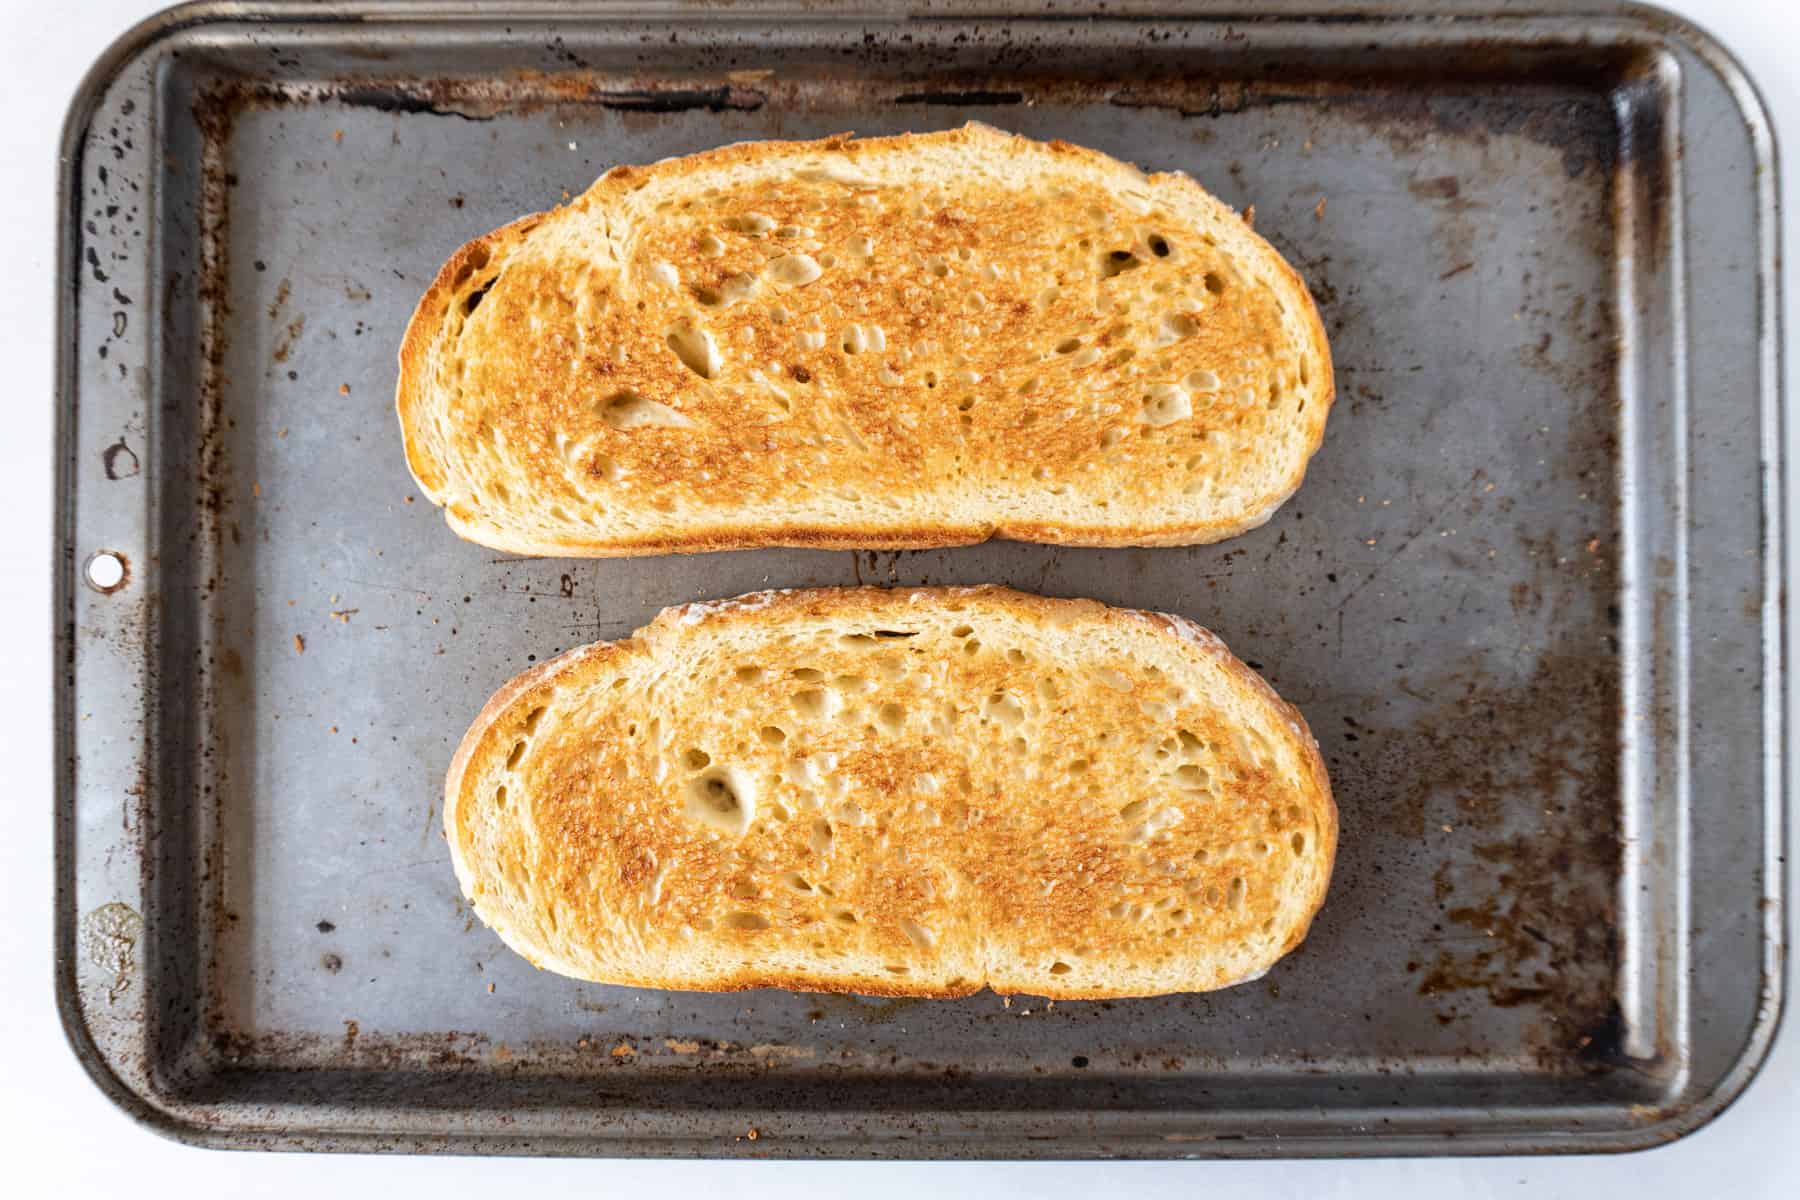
(119, 461)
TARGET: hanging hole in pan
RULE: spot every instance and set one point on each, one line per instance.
(106, 571)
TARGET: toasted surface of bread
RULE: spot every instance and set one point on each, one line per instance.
(922, 340)
(909, 792)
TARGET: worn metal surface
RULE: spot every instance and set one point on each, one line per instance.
(1526, 596)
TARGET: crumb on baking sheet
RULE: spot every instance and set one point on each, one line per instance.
(1319, 209)
(299, 644)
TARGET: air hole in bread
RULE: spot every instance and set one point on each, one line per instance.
(1087, 356)
(844, 916)
(820, 837)
(1134, 810)
(772, 735)
(750, 674)
(1003, 709)
(475, 297)
(518, 752)
(896, 969)
(720, 799)
(753, 223)
(1068, 345)
(972, 647)
(628, 410)
(807, 674)
(1234, 892)
(1215, 283)
(1298, 841)
(1193, 775)
(1159, 245)
(749, 922)
(1165, 404)
(696, 759)
(696, 350)
(1117, 262)
(1176, 326)
(500, 796)
(1060, 968)
(891, 717)
(532, 718)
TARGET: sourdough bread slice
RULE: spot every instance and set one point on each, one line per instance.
(912, 341)
(912, 792)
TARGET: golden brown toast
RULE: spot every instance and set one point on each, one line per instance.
(911, 341)
(911, 792)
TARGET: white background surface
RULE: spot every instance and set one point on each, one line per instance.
(58, 1133)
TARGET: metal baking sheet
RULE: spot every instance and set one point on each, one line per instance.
(1527, 597)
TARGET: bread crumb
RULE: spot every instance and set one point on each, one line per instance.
(490, 989)
(752, 1135)
(623, 1050)
(282, 432)
(1593, 546)
(409, 499)
(682, 1047)
(343, 614)
(299, 644)
(1319, 210)
(256, 489)
(343, 389)
(337, 135)
(334, 729)
(1448, 829)
(1250, 215)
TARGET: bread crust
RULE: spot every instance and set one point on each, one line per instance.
(581, 911)
(1266, 338)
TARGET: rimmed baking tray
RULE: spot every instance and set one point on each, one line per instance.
(1528, 596)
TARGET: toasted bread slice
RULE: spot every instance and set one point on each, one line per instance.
(911, 792)
(911, 341)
